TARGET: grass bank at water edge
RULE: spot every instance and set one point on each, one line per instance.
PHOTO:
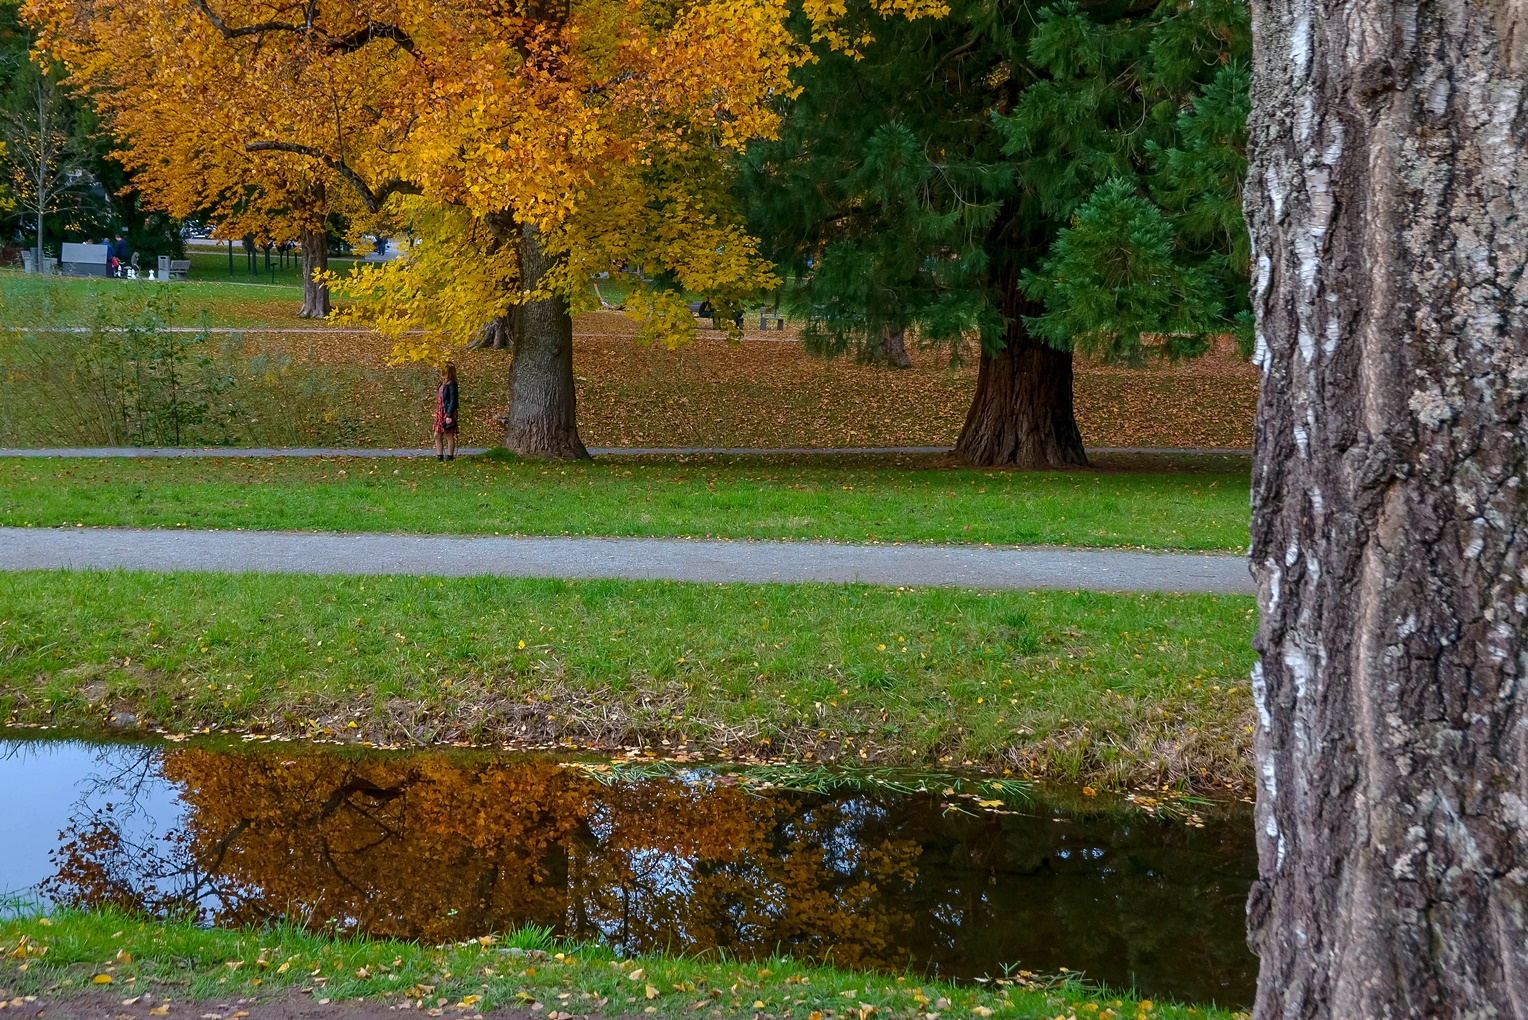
(181, 969)
(1107, 689)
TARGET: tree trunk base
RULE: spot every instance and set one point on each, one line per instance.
(315, 260)
(498, 335)
(889, 350)
(1022, 414)
(543, 420)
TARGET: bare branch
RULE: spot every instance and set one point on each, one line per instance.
(373, 200)
(347, 43)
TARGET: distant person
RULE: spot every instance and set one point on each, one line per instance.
(447, 398)
(118, 252)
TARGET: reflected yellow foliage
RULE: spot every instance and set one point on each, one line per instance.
(437, 847)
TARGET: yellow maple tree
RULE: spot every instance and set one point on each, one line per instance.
(523, 146)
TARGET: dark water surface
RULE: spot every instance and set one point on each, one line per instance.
(444, 845)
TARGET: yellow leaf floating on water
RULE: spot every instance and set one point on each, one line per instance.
(101, 979)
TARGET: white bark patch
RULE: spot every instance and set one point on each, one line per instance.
(1437, 98)
(1298, 664)
(1270, 778)
(1333, 150)
(1300, 44)
(1277, 192)
(1260, 697)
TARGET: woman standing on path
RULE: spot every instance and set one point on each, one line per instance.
(446, 399)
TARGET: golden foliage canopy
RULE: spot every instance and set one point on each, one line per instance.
(607, 124)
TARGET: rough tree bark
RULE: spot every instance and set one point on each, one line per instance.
(315, 259)
(1022, 415)
(542, 420)
(1388, 203)
(889, 349)
(499, 334)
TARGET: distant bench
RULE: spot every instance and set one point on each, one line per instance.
(767, 315)
(173, 269)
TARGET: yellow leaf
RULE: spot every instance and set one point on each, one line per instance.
(284, 967)
(123, 956)
(758, 1003)
(636, 975)
(159, 1011)
(101, 979)
(652, 993)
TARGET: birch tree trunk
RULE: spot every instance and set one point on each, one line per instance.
(1388, 203)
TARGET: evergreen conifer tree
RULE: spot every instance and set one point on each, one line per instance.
(1050, 176)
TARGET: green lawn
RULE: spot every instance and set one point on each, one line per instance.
(120, 956)
(1077, 687)
(763, 498)
(238, 302)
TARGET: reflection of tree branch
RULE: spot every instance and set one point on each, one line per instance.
(220, 851)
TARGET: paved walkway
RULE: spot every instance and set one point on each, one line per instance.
(598, 451)
(634, 558)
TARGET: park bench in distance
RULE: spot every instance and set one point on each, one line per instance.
(767, 315)
(173, 269)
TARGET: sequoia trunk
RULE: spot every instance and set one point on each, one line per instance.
(1387, 199)
(1021, 415)
(315, 261)
(542, 419)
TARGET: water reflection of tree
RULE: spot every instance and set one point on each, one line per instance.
(438, 847)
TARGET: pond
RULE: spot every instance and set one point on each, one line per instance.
(866, 870)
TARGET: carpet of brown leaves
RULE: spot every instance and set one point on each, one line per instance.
(767, 392)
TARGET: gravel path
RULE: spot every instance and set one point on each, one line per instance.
(635, 558)
(598, 451)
